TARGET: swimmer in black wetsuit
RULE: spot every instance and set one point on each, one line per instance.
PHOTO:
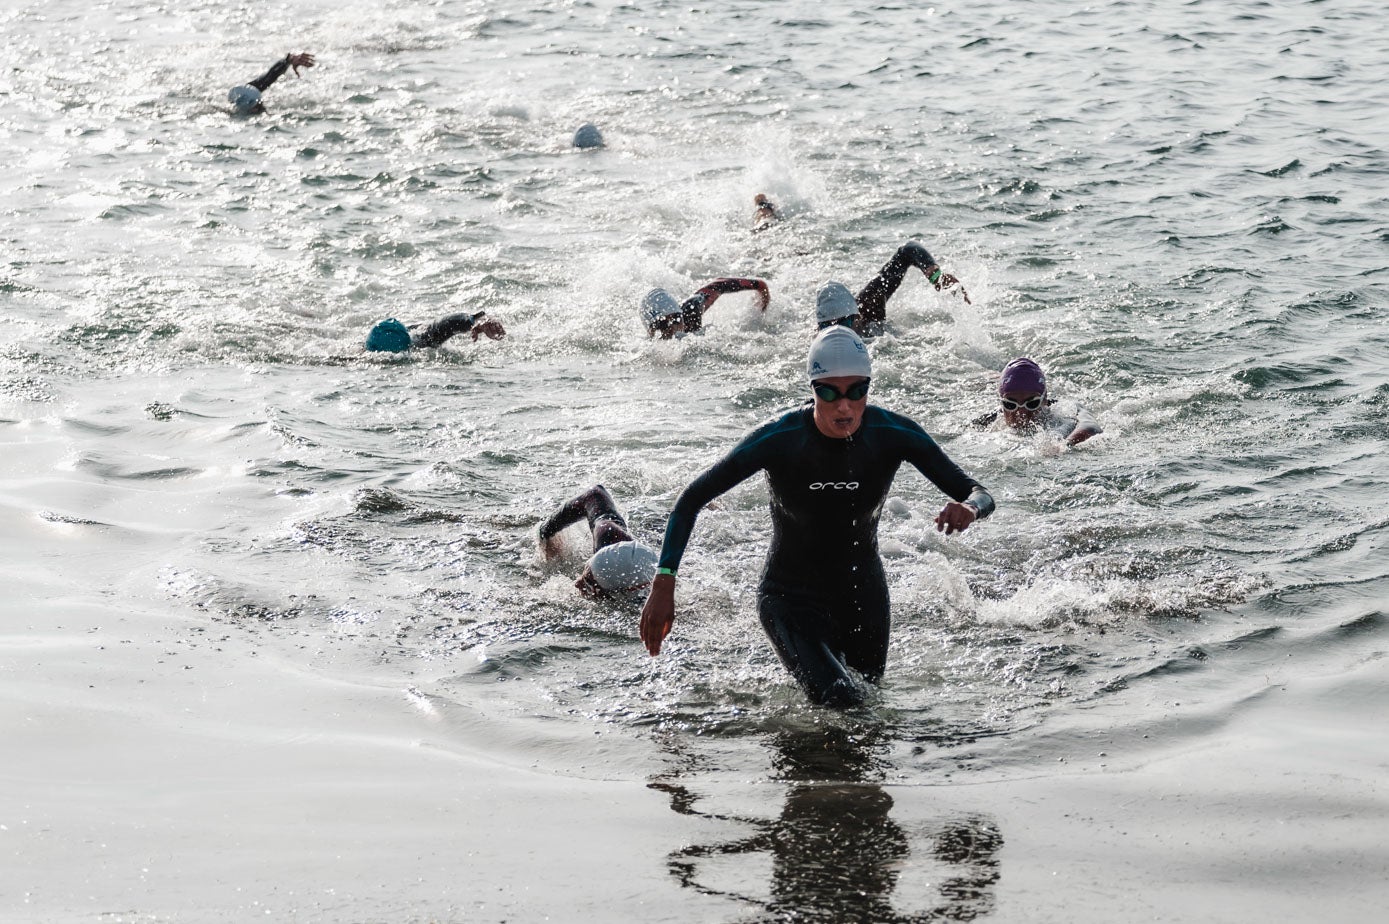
(1025, 407)
(391, 336)
(619, 564)
(246, 98)
(823, 599)
(866, 312)
(663, 315)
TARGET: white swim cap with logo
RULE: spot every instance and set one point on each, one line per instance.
(838, 351)
(657, 304)
(623, 566)
(834, 301)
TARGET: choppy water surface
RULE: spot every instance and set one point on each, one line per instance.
(1178, 209)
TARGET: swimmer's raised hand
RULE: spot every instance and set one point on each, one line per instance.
(658, 613)
(302, 59)
(491, 327)
(955, 517)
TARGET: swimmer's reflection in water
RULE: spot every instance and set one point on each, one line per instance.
(836, 852)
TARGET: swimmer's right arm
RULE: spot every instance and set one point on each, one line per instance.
(741, 463)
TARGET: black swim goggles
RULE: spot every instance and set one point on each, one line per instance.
(827, 393)
(1031, 404)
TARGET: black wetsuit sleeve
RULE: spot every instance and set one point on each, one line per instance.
(693, 308)
(872, 300)
(263, 82)
(592, 505)
(984, 420)
(441, 330)
(742, 462)
(929, 459)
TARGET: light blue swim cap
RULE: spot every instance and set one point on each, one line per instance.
(588, 136)
(245, 99)
(388, 336)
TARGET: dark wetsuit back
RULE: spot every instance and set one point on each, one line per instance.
(823, 597)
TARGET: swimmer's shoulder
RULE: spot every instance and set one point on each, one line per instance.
(880, 418)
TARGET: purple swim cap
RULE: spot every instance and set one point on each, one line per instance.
(1022, 376)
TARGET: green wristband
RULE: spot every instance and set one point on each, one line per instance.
(670, 571)
(934, 276)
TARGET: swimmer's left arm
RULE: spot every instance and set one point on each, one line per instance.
(922, 452)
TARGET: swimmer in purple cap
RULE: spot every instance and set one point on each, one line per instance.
(1025, 407)
(620, 565)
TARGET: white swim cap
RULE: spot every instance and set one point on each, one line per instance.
(657, 304)
(245, 99)
(837, 351)
(834, 301)
(623, 566)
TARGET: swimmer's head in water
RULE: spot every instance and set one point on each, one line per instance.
(388, 336)
(838, 351)
(1022, 391)
(834, 303)
(245, 100)
(623, 566)
(588, 136)
(660, 312)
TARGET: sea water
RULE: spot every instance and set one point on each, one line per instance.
(1177, 209)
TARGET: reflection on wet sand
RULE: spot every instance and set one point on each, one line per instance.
(836, 853)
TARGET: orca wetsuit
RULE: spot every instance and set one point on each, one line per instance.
(823, 598)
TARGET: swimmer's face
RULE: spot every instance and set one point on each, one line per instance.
(1023, 410)
(840, 418)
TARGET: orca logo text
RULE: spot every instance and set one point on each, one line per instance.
(834, 486)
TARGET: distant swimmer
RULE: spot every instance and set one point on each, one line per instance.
(866, 312)
(619, 564)
(823, 598)
(392, 336)
(663, 315)
(588, 136)
(245, 99)
(764, 213)
(1025, 407)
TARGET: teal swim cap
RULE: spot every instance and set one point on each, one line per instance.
(388, 336)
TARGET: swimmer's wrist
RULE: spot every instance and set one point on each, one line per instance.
(669, 572)
(934, 275)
